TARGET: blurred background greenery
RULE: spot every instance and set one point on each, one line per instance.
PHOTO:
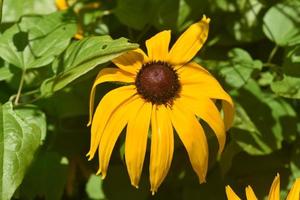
(46, 74)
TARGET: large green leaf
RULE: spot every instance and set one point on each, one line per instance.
(46, 177)
(239, 68)
(281, 23)
(13, 10)
(83, 56)
(22, 131)
(36, 41)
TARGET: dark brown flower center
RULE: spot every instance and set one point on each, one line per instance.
(158, 83)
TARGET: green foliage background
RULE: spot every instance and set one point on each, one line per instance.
(45, 77)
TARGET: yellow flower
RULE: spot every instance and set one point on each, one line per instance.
(165, 89)
(274, 193)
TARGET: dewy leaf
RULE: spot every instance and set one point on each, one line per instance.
(239, 68)
(83, 56)
(13, 10)
(46, 177)
(281, 23)
(36, 41)
(22, 131)
(288, 87)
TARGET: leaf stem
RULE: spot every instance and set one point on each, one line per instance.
(20, 87)
(272, 54)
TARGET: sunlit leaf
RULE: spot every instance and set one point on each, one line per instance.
(288, 87)
(36, 41)
(83, 56)
(13, 10)
(22, 132)
(281, 23)
(94, 188)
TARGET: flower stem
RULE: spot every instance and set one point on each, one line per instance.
(20, 87)
(272, 54)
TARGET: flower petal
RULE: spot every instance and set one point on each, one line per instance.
(231, 194)
(198, 83)
(113, 129)
(193, 138)
(108, 75)
(162, 146)
(109, 103)
(274, 193)
(131, 61)
(189, 43)
(158, 46)
(294, 194)
(250, 194)
(136, 142)
(207, 110)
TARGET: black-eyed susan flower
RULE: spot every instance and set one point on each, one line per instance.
(274, 193)
(164, 89)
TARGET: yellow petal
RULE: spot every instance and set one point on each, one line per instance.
(61, 4)
(162, 146)
(198, 83)
(115, 125)
(108, 75)
(231, 194)
(207, 110)
(158, 46)
(193, 138)
(294, 194)
(109, 103)
(136, 142)
(274, 193)
(131, 61)
(189, 43)
(250, 194)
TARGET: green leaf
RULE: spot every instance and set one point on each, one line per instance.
(94, 188)
(240, 67)
(36, 41)
(281, 23)
(5, 73)
(46, 177)
(22, 132)
(288, 87)
(13, 10)
(83, 56)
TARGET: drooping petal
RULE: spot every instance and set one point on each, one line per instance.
(113, 128)
(109, 103)
(231, 194)
(294, 193)
(250, 194)
(198, 83)
(131, 61)
(189, 43)
(162, 146)
(136, 142)
(207, 110)
(192, 136)
(158, 46)
(108, 75)
(274, 193)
